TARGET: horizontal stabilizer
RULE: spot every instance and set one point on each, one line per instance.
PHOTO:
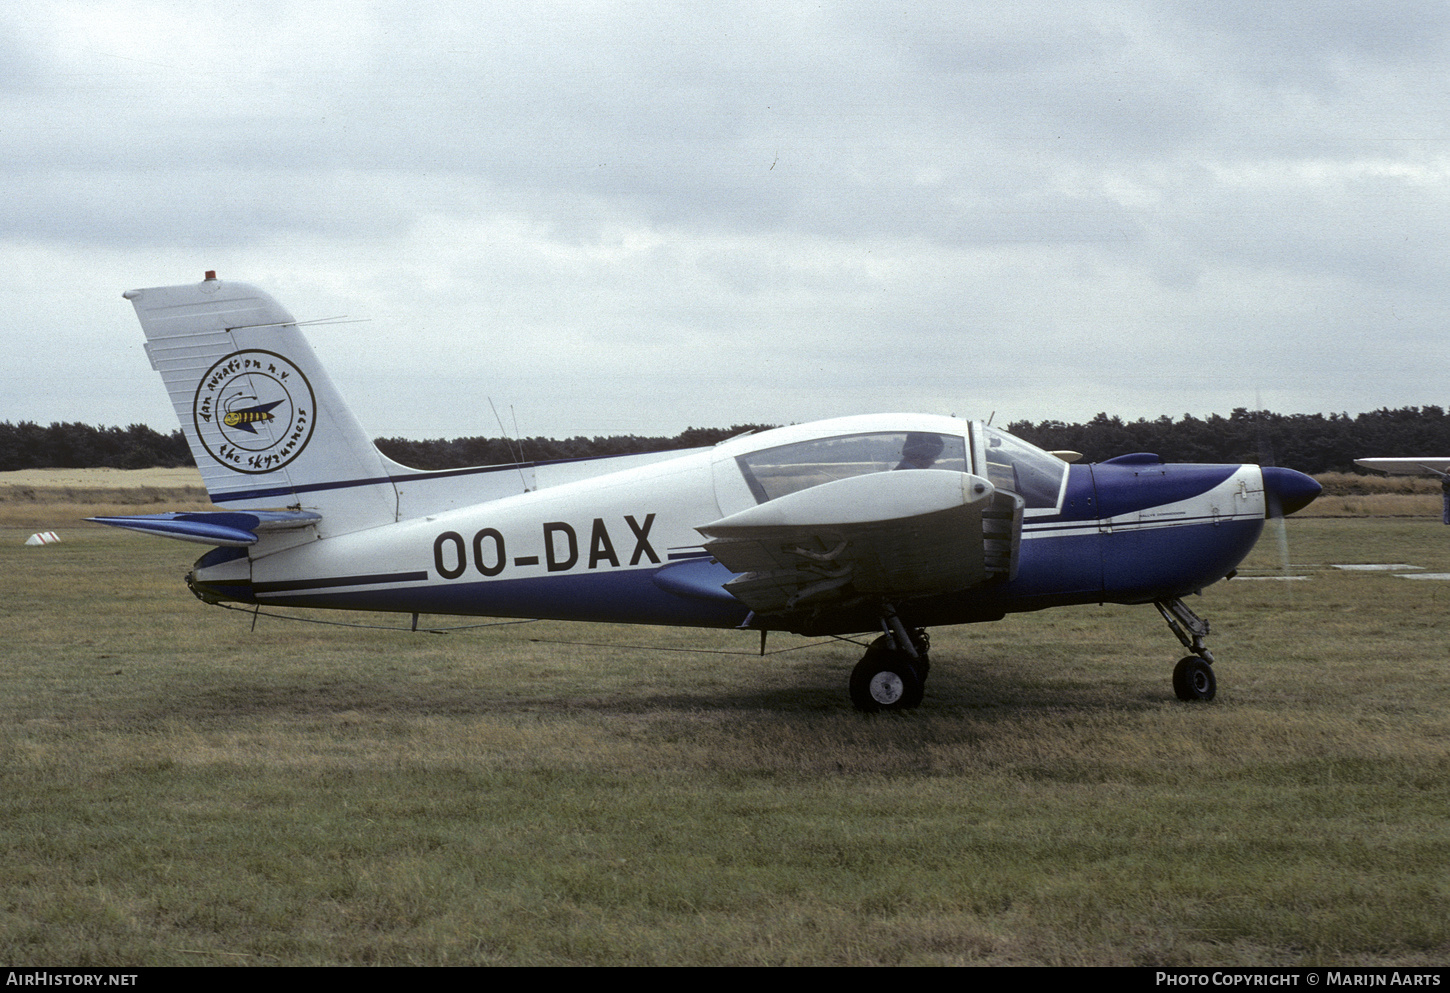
(236, 529)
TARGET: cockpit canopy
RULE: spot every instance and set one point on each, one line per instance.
(774, 472)
(1008, 462)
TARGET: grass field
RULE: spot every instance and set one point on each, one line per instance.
(179, 789)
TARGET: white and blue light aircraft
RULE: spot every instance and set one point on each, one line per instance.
(882, 523)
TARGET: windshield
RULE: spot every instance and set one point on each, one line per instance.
(774, 472)
(1025, 469)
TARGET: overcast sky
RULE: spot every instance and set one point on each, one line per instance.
(632, 218)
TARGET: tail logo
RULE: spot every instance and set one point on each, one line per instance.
(254, 411)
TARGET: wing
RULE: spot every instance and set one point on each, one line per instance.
(1410, 467)
(890, 534)
(1417, 467)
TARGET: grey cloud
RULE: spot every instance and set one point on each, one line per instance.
(1159, 196)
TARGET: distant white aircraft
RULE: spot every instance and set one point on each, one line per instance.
(1417, 467)
(808, 528)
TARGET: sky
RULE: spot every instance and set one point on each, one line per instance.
(622, 217)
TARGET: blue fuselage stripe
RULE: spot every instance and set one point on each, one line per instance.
(314, 584)
(626, 597)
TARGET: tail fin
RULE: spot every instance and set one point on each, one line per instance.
(264, 422)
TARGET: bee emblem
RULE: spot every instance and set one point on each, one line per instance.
(244, 418)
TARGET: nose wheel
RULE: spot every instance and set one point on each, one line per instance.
(1193, 679)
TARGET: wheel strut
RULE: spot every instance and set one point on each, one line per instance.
(896, 631)
(1179, 618)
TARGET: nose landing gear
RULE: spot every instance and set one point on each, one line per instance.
(1193, 679)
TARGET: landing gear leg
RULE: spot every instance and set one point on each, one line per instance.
(1193, 678)
(892, 673)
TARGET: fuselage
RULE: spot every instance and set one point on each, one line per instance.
(622, 546)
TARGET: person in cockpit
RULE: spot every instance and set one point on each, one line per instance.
(920, 450)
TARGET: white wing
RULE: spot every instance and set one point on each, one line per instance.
(892, 534)
(1407, 467)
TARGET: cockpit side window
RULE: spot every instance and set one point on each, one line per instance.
(774, 472)
(1025, 469)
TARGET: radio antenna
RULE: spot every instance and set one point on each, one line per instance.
(514, 446)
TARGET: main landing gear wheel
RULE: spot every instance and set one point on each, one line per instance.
(886, 680)
(1193, 680)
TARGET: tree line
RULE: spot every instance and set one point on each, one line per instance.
(28, 445)
(67, 445)
(1311, 443)
(439, 453)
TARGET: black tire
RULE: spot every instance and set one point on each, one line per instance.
(1193, 680)
(885, 680)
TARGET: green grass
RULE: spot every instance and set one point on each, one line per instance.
(178, 789)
